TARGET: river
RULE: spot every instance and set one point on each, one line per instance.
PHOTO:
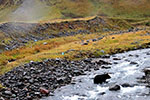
(126, 68)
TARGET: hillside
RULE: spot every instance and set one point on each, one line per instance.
(45, 44)
(43, 10)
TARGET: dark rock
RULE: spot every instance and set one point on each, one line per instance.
(115, 62)
(102, 93)
(113, 37)
(148, 53)
(126, 85)
(133, 63)
(137, 56)
(11, 60)
(88, 60)
(130, 55)
(94, 40)
(114, 88)
(147, 71)
(102, 62)
(116, 59)
(85, 43)
(105, 56)
(99, 79)
(105, 67)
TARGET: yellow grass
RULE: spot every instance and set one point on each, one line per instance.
(54, 48)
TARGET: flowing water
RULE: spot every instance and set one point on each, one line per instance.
(121, 71)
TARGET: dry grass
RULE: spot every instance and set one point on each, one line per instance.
(54, 48)
(1, 86)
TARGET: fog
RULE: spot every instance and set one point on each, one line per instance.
(29, 10)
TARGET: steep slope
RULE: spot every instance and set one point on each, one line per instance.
(43, 10)
(36, 10)
(16, 34)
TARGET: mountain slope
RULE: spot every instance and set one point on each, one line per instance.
(43, 10)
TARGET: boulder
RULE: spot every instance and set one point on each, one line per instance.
(99, 79)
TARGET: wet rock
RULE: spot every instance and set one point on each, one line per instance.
(148, 53)
(126, 85)
(99, 79)
(115, 62)
(130, 55)
(137, 56)
(102, 93)
(105, 67)
(114, 88)
(133, 63)
(116, 59)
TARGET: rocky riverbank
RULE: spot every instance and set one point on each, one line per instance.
(38, 79)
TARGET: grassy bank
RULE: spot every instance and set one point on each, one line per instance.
(71, 48)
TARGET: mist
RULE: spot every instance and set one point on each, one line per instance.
(29, 10)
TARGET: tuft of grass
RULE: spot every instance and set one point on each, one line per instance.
(1, 86)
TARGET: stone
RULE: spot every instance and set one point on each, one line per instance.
(8, 93)
(85, 43)
(115, 62)
(44, 91)
(105, 67)
(113, 37)
(116, 59)
(11, 60)
(37, 93)
(94, 40)
(133, 63)
(126, 85)
(148, 53)
(45, 43)
(114, 88)
(102, 93)
(102, 51)
(147, 71)
(102, 62)
(99, 79)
